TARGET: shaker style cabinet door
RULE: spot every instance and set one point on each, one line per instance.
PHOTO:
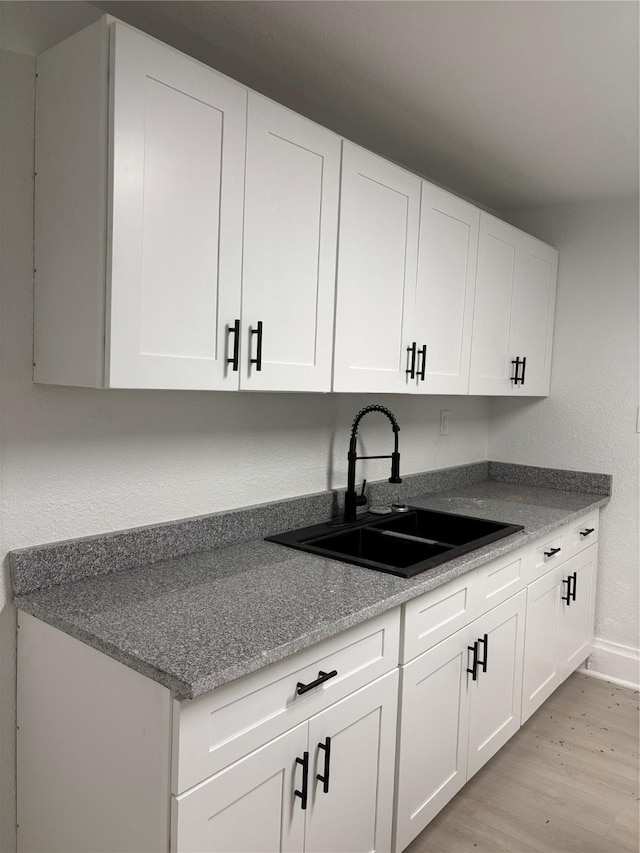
(496, 696)
(432, 759)
(541, 672)
(178, 139)
(494, 300)
(290, 235)
(532, 325)
(248, 808)
(377, 258)
(577, 615)
(514, 311)
(352, 748)
(447, 255)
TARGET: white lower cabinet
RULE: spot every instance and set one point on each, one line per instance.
(460, 703)
(351, 745)
(326, 786)
(560, 610)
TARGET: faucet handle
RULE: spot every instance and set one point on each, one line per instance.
(361, 499)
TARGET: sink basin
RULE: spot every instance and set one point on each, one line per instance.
(403, 544)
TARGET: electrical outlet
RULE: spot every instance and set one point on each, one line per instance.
(444, 422)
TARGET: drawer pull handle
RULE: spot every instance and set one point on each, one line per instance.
(304, 793)
(474, 666)
(485, 642)
(322, 677)
(324, 778)
(552, 551)
(587, 531)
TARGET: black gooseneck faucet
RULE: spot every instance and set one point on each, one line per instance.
(351, 499)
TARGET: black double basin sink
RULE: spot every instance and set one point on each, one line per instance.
(404, 543)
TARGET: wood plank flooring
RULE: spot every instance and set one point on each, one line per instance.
(567, 781)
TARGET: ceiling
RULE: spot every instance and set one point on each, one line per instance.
(511, 104)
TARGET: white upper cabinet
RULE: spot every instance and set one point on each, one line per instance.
(377, 258)
(514, 311)
(443, 316)
(290, 234)
(178, 170)
(190, 234)
(139, 197)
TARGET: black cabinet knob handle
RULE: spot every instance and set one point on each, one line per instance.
(324, 778)
(304, 793)
(411, 361)
(567, 597)
(587, 531)
(258, 359)
(322, 677)
(235, 331)
(552, 551)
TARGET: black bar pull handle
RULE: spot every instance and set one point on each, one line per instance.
(485, 642)
(572, 587)
(258, 359)
(322, 677)
(411, 361)
(567, 597)
(324, 778)
(422, 353)
(552, 551)
(587, 531)
(235, 331)
(304, 793)
(474, 665)
(517, 363)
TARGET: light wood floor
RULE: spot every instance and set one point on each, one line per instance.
(567, 781)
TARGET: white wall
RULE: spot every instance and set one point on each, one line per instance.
(589, 420)
(76, 462)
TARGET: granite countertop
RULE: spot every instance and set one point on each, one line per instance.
(195, 621)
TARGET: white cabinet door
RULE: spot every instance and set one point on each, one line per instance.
(432, 759)
(248, 808)
(290, 234)
(377, 258)
(494, 297)
(532, 325)
(178, 131)
(447, 254)
(496, 695)
(353, 744)
(577, 615)
(514, 312)
(541, 674)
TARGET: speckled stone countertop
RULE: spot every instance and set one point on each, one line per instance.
(196, 621)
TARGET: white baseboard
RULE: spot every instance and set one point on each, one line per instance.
(614, 662)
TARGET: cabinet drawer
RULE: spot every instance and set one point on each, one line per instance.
(437, 614)
(547, 553)
(582, 533)
(216, 729)
(501, 578)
